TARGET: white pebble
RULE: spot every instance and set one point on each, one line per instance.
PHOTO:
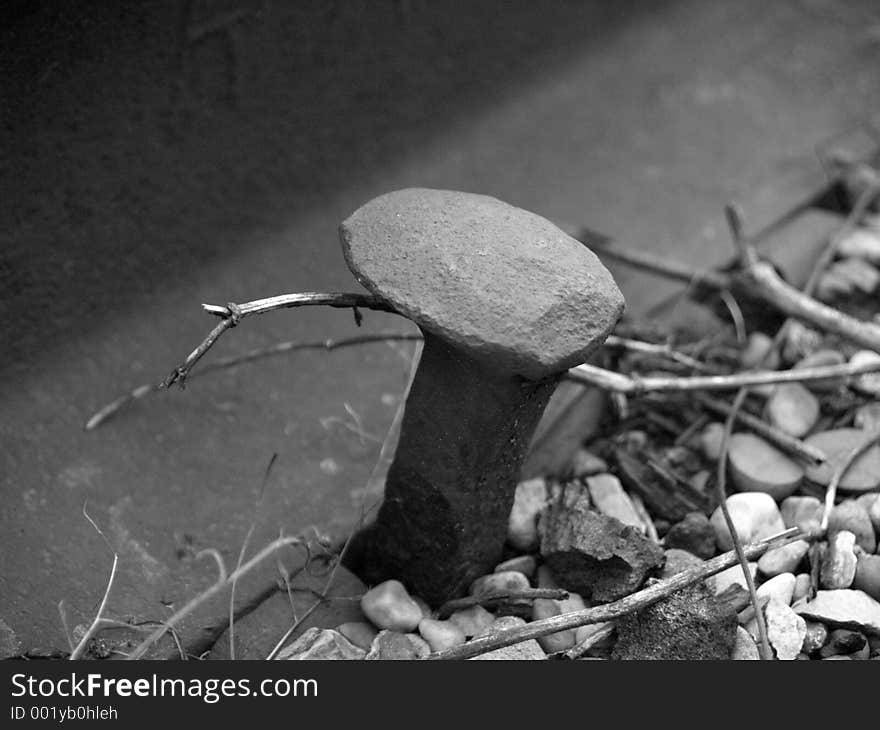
(528, 503)
(389, 606)
(754, 515)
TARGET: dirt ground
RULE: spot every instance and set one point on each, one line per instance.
(156, 156)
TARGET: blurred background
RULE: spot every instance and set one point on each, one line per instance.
(154, 156)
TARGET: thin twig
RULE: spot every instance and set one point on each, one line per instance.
(99, 616)
(492, 597)
(610, 611)
(600, 634)
(721, 483)
(637, 385)
(780, 438)
(231, 314)
(651, 348)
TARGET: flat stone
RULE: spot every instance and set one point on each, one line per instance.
(394, 645)
(783, 559)
(689, 625)
(609, 498)
(846, 608)
(529, 501)
(801, 512)
(869, 383)
(756, 466)
(862, 476)
(389, 606)
(780, 588)
(318, 643)
(694, 533)
(867, 576)
(481, 255)
(792, 409)
(785, 629)
(595, 555)
(838, 566)
(525, 650)
(754, 515)
(744, 648)
(852, 516)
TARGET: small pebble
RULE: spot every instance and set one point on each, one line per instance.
(472, 621)
(678, 561)
(508, 581)
(755, 353)
(560, 641)
(744, 648)
(359, 633)
(838, 567)
(754, 515)
(869, 383)
(525, 564)
(801, 512)
(441, 635)
(610, 499)
(756, 466)
(867, 576)
(792, 409)
(585, 463)
(389, 606)
(815, 638)
(529, 501)
(710, 440)
(695, 534)
(863, 276)
(525, 650)
(822, 358)
(785, 629)
(801, 587)
(780, 588)
(867, 416)
(860, 243)
(852, 516)
(783, 559)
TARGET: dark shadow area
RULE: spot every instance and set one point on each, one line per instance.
(141, 139)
